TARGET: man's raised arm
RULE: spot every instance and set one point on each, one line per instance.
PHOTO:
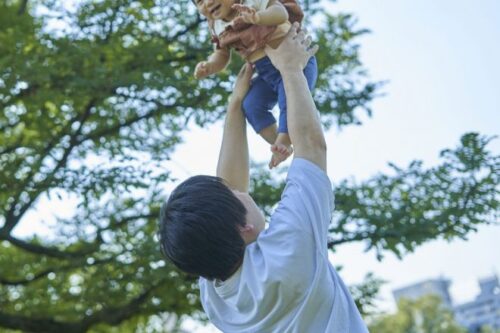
(233, 165)
(304, 126)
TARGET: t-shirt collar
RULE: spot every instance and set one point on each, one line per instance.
(229, 286)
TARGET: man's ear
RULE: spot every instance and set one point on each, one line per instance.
(246, 228)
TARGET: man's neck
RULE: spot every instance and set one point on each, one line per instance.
(237, 267)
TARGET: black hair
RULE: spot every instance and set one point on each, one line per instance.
(199, 228)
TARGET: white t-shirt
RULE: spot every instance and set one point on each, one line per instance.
(286, 283)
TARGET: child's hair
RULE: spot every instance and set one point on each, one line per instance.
(199, 228)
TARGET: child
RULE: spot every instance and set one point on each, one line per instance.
(247, 28)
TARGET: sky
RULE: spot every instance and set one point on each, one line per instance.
(442, 63)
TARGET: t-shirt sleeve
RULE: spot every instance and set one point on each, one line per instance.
(289, 249)
(306, 203)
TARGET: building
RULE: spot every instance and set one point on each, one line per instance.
(484, 310)
(437, 287)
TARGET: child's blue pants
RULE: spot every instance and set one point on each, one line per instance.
(267, 89)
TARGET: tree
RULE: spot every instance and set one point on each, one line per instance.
(486, 329)
(425, 315)
(365, 294)
(96, 96)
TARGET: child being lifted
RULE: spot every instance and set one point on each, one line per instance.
(247, 28)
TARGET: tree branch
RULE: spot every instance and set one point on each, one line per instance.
(362, 236)
(12, 218)
(60, 254)
(112, 316)
(50, 251)
(44, 273)
(22, 8)
(124, 222)
(12, 148)
(188, 28)
(30, 324)
(113, 129)
(116, 315)
(14, 99)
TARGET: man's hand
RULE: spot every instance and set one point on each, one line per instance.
(247, 14)
(203, 69)
(304, 126)
(293, 52)
(242, 83)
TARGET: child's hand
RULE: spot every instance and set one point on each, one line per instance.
(203, 69)
(247, 14)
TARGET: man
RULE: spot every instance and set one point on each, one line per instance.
(255, 280)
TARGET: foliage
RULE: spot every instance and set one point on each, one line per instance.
(95, 97)
(266, 187)
(365, 294)
(425, 315)
(486, 329)
(402, 211)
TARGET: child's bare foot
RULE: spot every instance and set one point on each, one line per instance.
(280, 153)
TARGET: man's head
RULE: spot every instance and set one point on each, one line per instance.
(204, 227)
(216, 9)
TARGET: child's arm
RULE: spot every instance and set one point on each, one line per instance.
(215, 63)
(274, 14)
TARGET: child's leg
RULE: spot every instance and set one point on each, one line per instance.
(257, 105)
(270, 133)
(282, 147)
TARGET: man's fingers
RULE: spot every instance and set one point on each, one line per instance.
(312, 51)
(307, 41)
(293, 30)
(300, 36)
